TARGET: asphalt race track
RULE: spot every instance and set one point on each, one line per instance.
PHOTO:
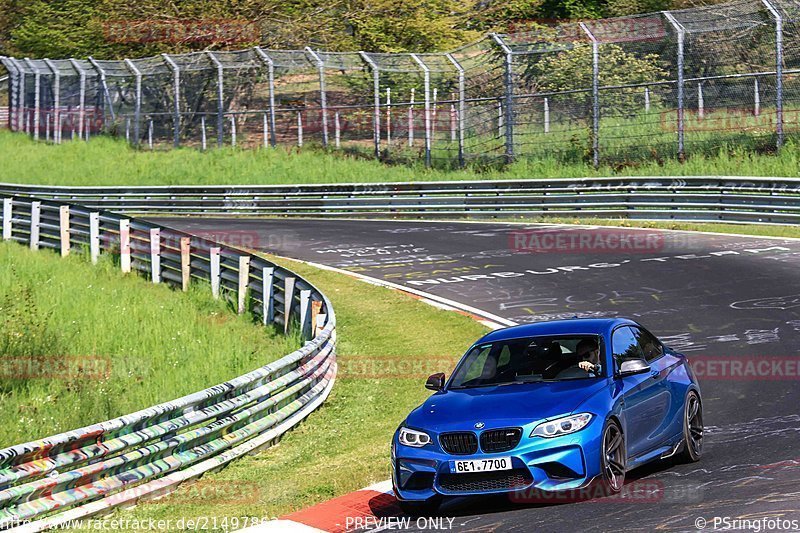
(720, 299)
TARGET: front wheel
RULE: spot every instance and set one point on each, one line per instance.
(692, 429)
(613, 458)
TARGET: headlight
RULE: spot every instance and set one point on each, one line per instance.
(562, 426)
(413, 438)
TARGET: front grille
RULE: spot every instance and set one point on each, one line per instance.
(500, 440)
(461, 443)
(517, 478)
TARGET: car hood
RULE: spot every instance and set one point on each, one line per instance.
(501, 406)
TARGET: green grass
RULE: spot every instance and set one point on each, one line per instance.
(127, 344)
(105, 161)
(343, 446)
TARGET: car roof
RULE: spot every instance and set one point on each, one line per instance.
(576, 326)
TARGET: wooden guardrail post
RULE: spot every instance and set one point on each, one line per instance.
(305, 315)
(125, 245)
(36, 221)
(268, 304)
(94, 236)
(185, 262)
(63, 224)
(155, 254)
(215, 270)
(288, 297)
(7, 208)
(244, 279)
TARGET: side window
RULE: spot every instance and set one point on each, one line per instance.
(650, 346)
(625, 345)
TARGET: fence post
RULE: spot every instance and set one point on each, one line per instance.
(125, 245)
(137, 110)
(376, 90)
(56, 100)
(337, 129)
(778, 71)
(176, 73)
(681, 32)
(288, 298)
(305, 315)
(37, 86)
(21, 111)
(268, 300)
(63, 226)
(427, 88)
(220, 96)
(388, 117)
(509, 96)
(155, 254)
(271, 79)
(323, 99)
(104, 85)
(203, 143)
(700, 105)
(647, 99)
(186, 259)
(36, 219)
(411, 120)
(81, 97)
(94, 236)
(299, 129)
(150, 132)
(244, 281)
(13, 87)
(595, 96)
(462, 108)
(214, 257)
(546, 115)
(756, 98)
(233, 130)
(266, 131)
(7, 212)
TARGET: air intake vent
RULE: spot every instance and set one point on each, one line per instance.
(500, 440)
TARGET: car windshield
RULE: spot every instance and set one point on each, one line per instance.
(530, 359)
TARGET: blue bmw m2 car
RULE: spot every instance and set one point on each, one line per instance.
(553, 406)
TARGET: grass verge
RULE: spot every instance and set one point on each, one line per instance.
(82, 344)
(388, 343)
(81, 163)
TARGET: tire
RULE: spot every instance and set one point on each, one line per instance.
(613, 458)
(692, 429)
(423, 508)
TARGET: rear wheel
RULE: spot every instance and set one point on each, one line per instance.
(423, 508)
(613, 458)
(692, 429)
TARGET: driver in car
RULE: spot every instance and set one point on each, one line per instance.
(588, 352)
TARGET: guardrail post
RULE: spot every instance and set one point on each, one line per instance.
(185, 262)
(36, 220)
(7, 211)
(376, 90)
(268, 303)
(155, 254)
(427, 87)
(63, 226)
(681, 32)
(305, 315)
(244, 281)
(125, 245)
(778, 71)
(595, 96)
(94, 236)
(271, 82)
(214, 257)
(288, 298)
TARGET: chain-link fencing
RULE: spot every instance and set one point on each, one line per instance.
(616, 91)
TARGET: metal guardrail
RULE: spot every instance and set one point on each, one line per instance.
(48, 482)
(737, 199)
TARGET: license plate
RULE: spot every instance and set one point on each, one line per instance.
(480, 465)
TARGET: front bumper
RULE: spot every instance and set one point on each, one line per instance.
(539, 466)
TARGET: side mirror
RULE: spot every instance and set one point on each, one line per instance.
(435, 381)
(632, 367)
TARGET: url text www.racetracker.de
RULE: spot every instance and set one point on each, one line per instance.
(194, 523)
